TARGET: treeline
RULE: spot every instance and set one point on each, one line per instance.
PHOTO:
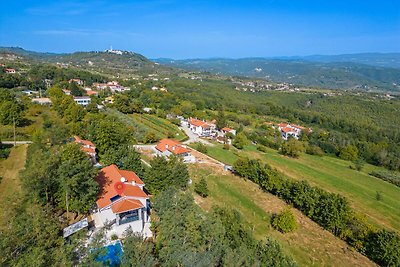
(33, 77)
(329, 210)
(187, 236)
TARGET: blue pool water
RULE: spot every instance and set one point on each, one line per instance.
(113, 255)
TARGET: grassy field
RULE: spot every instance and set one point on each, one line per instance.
(160, 126)
(9, 185)
(333, 175)
(309, 245)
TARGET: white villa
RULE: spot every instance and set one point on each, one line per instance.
(291, 130)
(202, 128)
(82, 100)
(122, 202)
(168, 147)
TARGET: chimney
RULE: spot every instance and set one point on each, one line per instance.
(133, 182)
(123, 179)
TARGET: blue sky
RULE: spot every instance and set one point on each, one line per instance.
(199, 29)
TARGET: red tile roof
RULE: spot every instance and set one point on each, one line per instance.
(126, 205)
(172, 146)
(78, 140)
(110, 175)
(197, 123)
(283, 125)
(287, 130)
(226, 129)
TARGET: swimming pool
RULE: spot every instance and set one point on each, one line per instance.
(113, 255)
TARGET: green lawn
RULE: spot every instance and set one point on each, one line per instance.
(333, 175)
(10, 185)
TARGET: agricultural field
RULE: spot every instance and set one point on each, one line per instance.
(162, 127)
(309, 245)
(333, 175)
(9, 183)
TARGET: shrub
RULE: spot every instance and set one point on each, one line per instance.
(262, 148)
(292, 148)
(150, 137)
(201, 188)
(285, 221)
(226, 146)
(314, 150)
(202, 148)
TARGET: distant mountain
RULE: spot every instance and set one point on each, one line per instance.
(390, 60)
(334, 75)
(110, 61)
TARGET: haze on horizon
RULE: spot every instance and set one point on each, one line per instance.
(203, 29)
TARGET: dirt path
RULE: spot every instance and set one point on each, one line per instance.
(310, 245)
(10, 186)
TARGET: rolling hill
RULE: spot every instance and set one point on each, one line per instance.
(331, 75)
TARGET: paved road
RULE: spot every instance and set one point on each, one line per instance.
(17, 142)
(193, 138)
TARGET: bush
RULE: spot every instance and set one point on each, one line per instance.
(201, 188)
(202, 148)
(314, 150)
(292, 148)
(226, 146)
(262, 148)
(150, 137)
(285, 221)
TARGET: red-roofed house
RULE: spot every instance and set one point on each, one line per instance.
(77, 81)
(122, 202)
(291, 130)
(226, 130)
(168, 147)
(202, 128)
(88, 147)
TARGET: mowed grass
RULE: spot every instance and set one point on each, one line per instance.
(10, 186)
(309, 245)
(161, 127)
(333, 175)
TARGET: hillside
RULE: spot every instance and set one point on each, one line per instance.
(332, 75)
(113, 62)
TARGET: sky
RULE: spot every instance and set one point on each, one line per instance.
(203, 29)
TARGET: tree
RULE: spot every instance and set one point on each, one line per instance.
(78, 189)
(285, 221)
(166, 173)
(149, 138)
(125, 157)
(201, 188)
(11, 111)
(75, 90)
(349, 152)
(292, 148)
(221, 119)
(240, 141)
(383, 248)
(74, 113)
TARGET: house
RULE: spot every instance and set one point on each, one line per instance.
(88, 147)
(77, 81)
(114, 86)
(82, 100)
(168, 147)
(10, 71)
(42, 101)
(90, 92)
(122, 202)
(67, 92)
(291, 130)
(202, 128)
(226, 130)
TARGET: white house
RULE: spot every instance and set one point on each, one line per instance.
(42, 100)
(202, 128)
(168, 147)
(10, 71)
(77, 81)
(82, 100)
(291, 130)
(122, 202)
(226, 130)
